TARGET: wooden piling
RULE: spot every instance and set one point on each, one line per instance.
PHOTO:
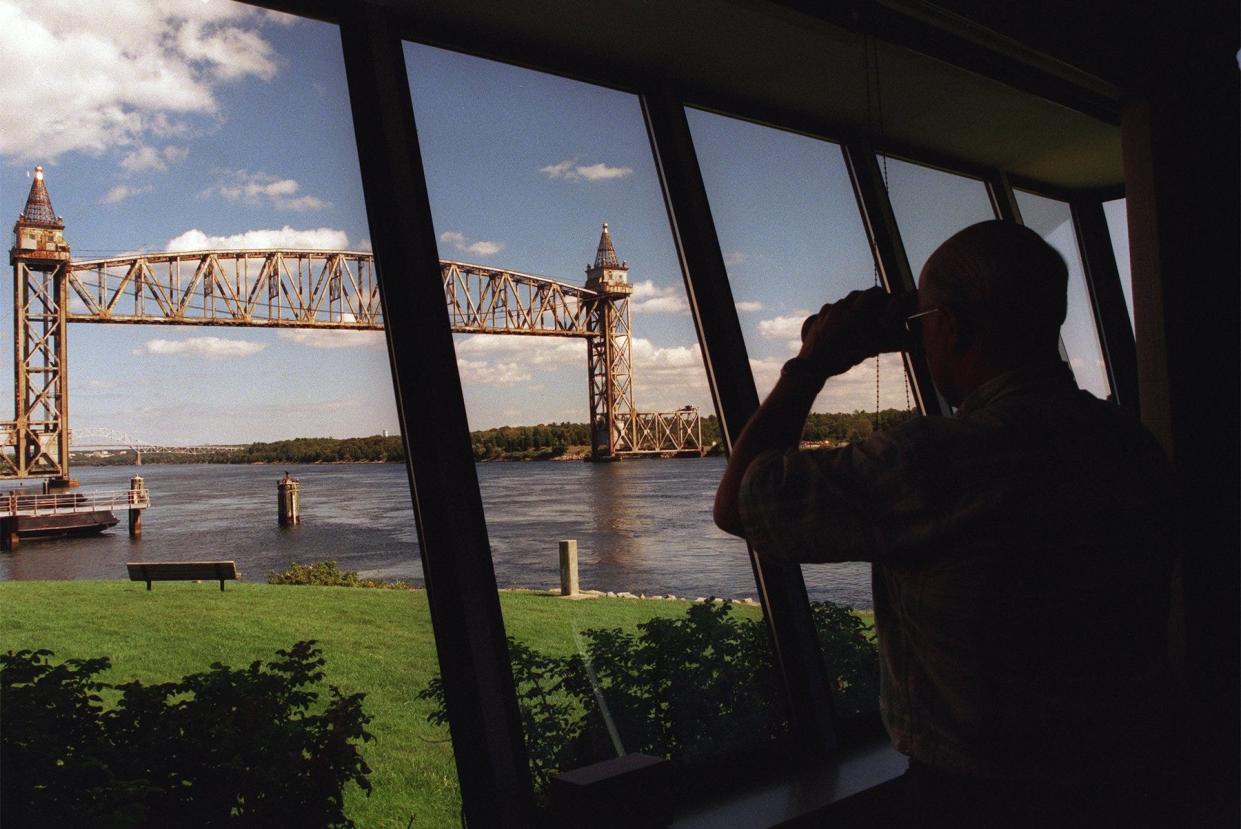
(8, 533)
(288, 501)
(137, 489)
(568, 567)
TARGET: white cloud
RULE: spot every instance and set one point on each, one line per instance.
(498, 360)
(649, 356)
(734, 258)
(332, 338)
(669, 377)
(320, 238)
(481, 248)
(570, 170)
(96, 76)
(484, 248)
(786, 327)
(602, 172)
(262, 188)
(212, 348)
(173, 154)
(492, 374)
(123, 191)
(747, 306)
(543, 352)
(232, 52)
(143, 158)
(650, 298)
(559, 170)
(146, 158)
(301, 203)
(783, 327)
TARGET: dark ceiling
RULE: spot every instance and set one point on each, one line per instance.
(1034, 90)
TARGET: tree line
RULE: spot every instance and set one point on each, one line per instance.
(544, 441)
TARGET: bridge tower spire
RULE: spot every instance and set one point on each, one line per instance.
(39, 432)
(609, 354)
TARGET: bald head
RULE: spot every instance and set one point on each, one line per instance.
(1005, 283)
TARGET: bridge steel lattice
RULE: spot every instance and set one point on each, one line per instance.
(301, 289)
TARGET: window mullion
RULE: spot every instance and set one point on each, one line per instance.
(1107, 300)
(890, 257)
(1003, 200)
(781, 586)
(461, 587)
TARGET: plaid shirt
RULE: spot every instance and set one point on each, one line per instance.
(1021, 559)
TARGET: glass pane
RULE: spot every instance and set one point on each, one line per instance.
(1118, 229)
(217, 127)
(788, 223)
(1054, 221)
(931, 205)
(559, 264)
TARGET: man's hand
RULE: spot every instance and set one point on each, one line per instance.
(846, 332)
(840, 336)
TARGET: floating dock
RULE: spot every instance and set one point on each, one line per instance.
(43, 514)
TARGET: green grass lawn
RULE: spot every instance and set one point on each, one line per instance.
(378, 642)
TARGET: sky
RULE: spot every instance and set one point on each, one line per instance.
(205, 123)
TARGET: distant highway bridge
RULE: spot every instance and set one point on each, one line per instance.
(102, 439)
(300, 289)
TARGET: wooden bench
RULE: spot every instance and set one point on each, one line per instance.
(149, 571)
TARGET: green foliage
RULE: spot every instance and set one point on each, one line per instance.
(849, 644)
(836, 427)
(541, 442)
(515, 443)
(840, 427)
(690, 688)
(327, 574)
(371, 449)
(222, 747)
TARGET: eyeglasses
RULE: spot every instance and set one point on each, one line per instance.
(913, 322)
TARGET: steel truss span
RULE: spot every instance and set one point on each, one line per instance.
(281, 288)
(307, 289)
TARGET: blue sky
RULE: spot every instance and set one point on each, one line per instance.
(205, 122)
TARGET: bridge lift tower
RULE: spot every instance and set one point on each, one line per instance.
(609, 358)
(40, 259)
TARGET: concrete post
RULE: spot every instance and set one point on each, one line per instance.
(568, 567)
(288, 501)
(136, 489)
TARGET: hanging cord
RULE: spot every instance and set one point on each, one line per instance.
(871, 66)
(870, 53)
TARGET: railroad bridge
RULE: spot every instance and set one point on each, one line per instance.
(300, 289)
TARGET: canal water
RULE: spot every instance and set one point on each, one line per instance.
(641, 526)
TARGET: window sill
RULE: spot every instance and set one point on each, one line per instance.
(804, 795)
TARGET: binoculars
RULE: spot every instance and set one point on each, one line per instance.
(891, 319)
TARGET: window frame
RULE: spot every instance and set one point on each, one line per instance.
(488, 742)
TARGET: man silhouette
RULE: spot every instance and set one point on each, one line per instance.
(1020, 547)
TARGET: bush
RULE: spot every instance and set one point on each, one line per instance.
(323, 573)
(847, 641)
(690, 688)
(327, 574)
(223, 747)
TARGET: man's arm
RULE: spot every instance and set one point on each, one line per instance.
(841, 336)
(776, 425)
